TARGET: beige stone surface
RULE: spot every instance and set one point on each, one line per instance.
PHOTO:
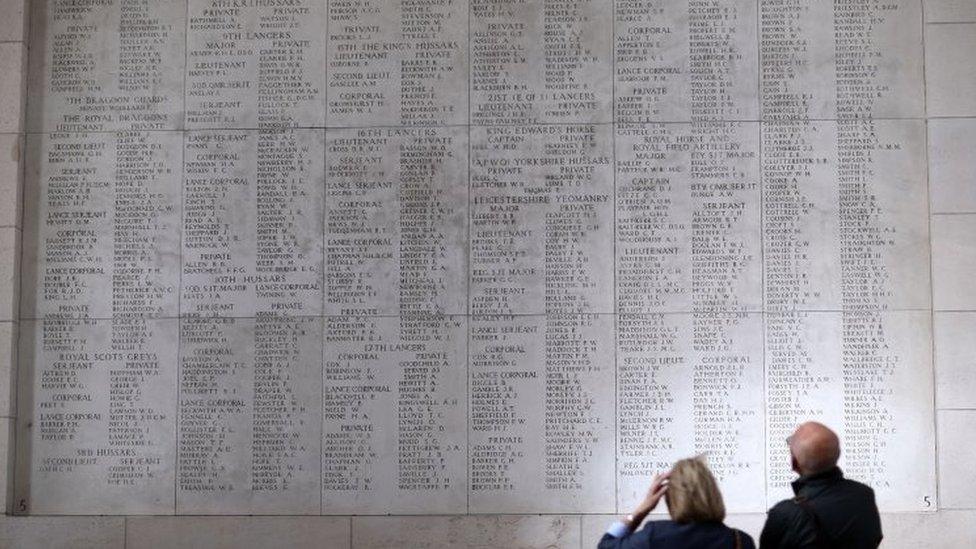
(13, 63)
(13, 24)
(456, 532)
(941, 11)
(950, 70)
(8, 367)
(237, 532)
(952, 164)
(955, 359)
(61, 532)
(6, 465)
(957, 476)
(942, 530)
(953, 262)
(592, 527)
(11, 151)
(9, 272)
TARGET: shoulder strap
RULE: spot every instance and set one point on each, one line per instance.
(821, 537)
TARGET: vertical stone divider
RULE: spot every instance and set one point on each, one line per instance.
(613, 332)
(467, 293)
(323, 278)
(928, 193)
(762, 247)
(14, 48)
(179, 295)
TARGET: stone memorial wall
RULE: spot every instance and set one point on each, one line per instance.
(354, 257)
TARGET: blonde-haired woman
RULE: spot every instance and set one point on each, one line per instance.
(696, 509)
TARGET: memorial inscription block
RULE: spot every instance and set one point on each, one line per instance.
(469, 256)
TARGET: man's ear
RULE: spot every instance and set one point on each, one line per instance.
(794, 464)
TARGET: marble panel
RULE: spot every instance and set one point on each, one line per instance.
(845, 215)
(10, 246)
(255, 64)
(868, 375)
(953, 262)
(394, 415)
(541, 414)
(252, 223)
(949, 11)
(950, 70)
(237, 532)
(13, 26)
(102, 225)
(532, 63)
(96, 416)
(677, 61)
(841, 61)
(952, 164)
(521, 531)
(542, 214)
(8, 368)
(13, 91)
(249, 402)
(104, 68)
(688, 218)
(63, 532)
(11, 172)
(396, 221)
(397, 64)
(955, 359)
(686, 387)
(957, 429)
(942, 530)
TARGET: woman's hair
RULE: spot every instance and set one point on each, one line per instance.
(692, 494)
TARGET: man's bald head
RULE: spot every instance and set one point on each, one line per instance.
(814, 448)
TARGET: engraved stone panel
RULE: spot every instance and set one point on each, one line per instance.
(830, 60)
(541, 219)
(688, 218)
(105, 66)
(255, 64)
(252, 223)
(686, 385)
(420, 257)
(541, 414)
(249, 426)
(686, 60)
(96, 415)
(393, 415)
(857, 371)
(103, 234)
(537, 62)
(396, 221)
(397, 63)
(845, 215)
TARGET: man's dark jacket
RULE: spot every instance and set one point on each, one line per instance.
(844, 510)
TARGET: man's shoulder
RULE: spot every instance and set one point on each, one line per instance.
(785, 509)
(855, 486)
